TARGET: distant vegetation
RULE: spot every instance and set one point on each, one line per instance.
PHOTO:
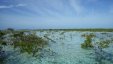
(90, 29)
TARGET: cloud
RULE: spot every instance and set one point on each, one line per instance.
(4, 6)
(11, 6)
(20, 5)
(75, 4)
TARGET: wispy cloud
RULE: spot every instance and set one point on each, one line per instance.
(56, 13)
(11, 6)
(20, 5)
(5, 6)
(75, 4)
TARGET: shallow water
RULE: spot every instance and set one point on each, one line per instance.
(66, 49)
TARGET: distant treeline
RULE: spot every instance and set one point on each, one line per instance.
(80, 29)
(92, 30)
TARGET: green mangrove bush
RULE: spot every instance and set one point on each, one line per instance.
(24, 41)
(29, 42)
(88, 40)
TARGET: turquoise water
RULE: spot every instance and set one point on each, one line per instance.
(64, 48)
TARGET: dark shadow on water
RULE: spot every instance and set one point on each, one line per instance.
(101, 55)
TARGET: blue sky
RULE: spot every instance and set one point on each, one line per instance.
(39, 14)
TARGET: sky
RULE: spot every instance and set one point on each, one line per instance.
(56, 14)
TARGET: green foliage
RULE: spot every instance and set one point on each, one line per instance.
(1, 38)
(88, 41)
(29, 43)
(3, 42)
(91, 35)
(25, 41)
(1, 34)
(24, 47)
(18, 34)
(104, 44)
(10, 29)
